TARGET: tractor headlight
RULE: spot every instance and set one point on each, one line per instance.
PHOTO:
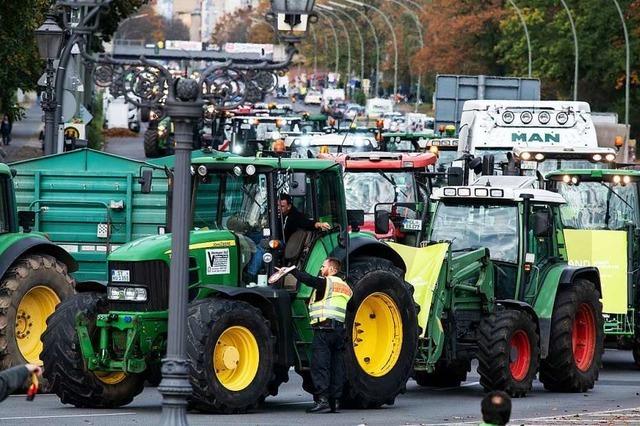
(597, 157)
(267, 258)
(562, 118)
(202, 170)
(610, 157)
(539, 157)
(525, 156)
(526, 117)
(626, 180)
(129, 294)
(544, 117)
(237, 149)
(251, 170)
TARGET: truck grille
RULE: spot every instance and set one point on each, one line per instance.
(154, 274)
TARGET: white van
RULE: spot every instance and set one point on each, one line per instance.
(377, 107)
(490, 127)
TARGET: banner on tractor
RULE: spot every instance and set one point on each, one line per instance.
(606, 250)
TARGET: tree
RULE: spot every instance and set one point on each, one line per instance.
(151, 27)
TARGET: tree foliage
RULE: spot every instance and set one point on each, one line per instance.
(150, 27)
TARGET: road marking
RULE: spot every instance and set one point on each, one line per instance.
(466, 385)
(67, 416)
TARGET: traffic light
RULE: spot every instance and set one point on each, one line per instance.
(159, 45)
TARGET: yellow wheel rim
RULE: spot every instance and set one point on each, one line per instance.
(236, 357)
(31, 321)
(377, 334)
(110, 378)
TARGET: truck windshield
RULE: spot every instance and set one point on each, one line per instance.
(363, 190)
(242, 208)
(599, 205)
(471, 226)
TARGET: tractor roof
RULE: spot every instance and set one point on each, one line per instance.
(480, 193)
(226, 161)
(383, 160)
(4, 169)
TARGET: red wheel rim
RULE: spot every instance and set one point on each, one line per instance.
(520, 356)
(583, 337)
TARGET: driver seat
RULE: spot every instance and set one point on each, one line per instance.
(296, 245)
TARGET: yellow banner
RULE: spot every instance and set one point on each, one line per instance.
(606, 250)
(423, 268)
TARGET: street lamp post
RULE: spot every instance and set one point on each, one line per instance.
(337, 44)
(375, 39)
(627, 82)
(49, 38)
(576, 50)
(393, 36)
(328, 14)
(526, 31)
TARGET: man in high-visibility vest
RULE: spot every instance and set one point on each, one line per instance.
(327, 311)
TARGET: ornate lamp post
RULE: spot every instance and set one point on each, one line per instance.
(49, 38)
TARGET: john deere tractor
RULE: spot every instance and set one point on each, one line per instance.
(34, 278)
(494, 283)
(242, 336)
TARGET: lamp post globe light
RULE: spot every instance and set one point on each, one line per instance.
(291, 18)
(49, 39)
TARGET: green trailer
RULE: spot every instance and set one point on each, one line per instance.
(242, 338)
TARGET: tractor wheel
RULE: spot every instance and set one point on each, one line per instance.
(151, 148)
(635, 345)
(448, 374)
(382, 325)
(576, 341)
(231, 348)
(64, 365)
(29, 293)
(508, 352)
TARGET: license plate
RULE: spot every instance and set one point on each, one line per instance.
(120, 276)
(245, 126)
(528, 165)
(412, 224)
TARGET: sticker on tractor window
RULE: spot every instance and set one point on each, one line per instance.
(217, 261)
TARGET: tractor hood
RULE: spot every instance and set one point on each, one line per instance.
(157, 247)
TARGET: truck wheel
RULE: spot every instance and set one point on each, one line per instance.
(576, 341)
(508, 352)
(382, 325)
(64, 365)
(231, 348)
(448, 374)
(151, 148)
(29, 293)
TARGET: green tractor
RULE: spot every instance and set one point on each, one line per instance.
(602, 227)
(494, 284)
(242, 337)
(34, 278)
(158, 138)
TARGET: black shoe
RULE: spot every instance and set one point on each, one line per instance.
(334, 403)
(321, 406)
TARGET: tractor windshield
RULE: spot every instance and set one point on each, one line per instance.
(472, 226)
(599, 205)
(446, 157)
(235, 203)
(363, 190)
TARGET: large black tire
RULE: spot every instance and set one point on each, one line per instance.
(447, 374)
(40, 282)
(151, 148)
(378, 282)
(207, 321)
(566, 370)
(65, 368)
(635, 344)
(508, 352)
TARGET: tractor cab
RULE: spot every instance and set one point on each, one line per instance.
(405, 141)
(518, 226)
(391, 189)
(306, 146)
(252, 134)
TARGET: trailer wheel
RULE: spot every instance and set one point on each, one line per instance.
(448, 374)
(64, 365)
(151, 148)
(576, 341)
(29, 293)
(508, 352)
(231, 348)
(382, 325)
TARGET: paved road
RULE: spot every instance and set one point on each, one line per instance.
(615, 400)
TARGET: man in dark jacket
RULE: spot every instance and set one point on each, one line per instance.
(294, 219)
(13, 378)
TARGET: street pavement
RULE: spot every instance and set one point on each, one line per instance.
(615, 400)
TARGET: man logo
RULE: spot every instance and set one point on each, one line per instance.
(535, 137)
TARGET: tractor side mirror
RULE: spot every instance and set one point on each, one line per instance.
(476, 165)
(26, 219)
(355, 218)
(541, 224)
(381, 222)
(298, 185)
(455, 176)
(145, 180)
(488, 165)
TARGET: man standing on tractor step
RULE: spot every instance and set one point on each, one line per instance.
(327, 310)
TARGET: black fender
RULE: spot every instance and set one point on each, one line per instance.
(275, 305)
(32, 245)
(91, 286)
(370, 248)
(571, 273)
